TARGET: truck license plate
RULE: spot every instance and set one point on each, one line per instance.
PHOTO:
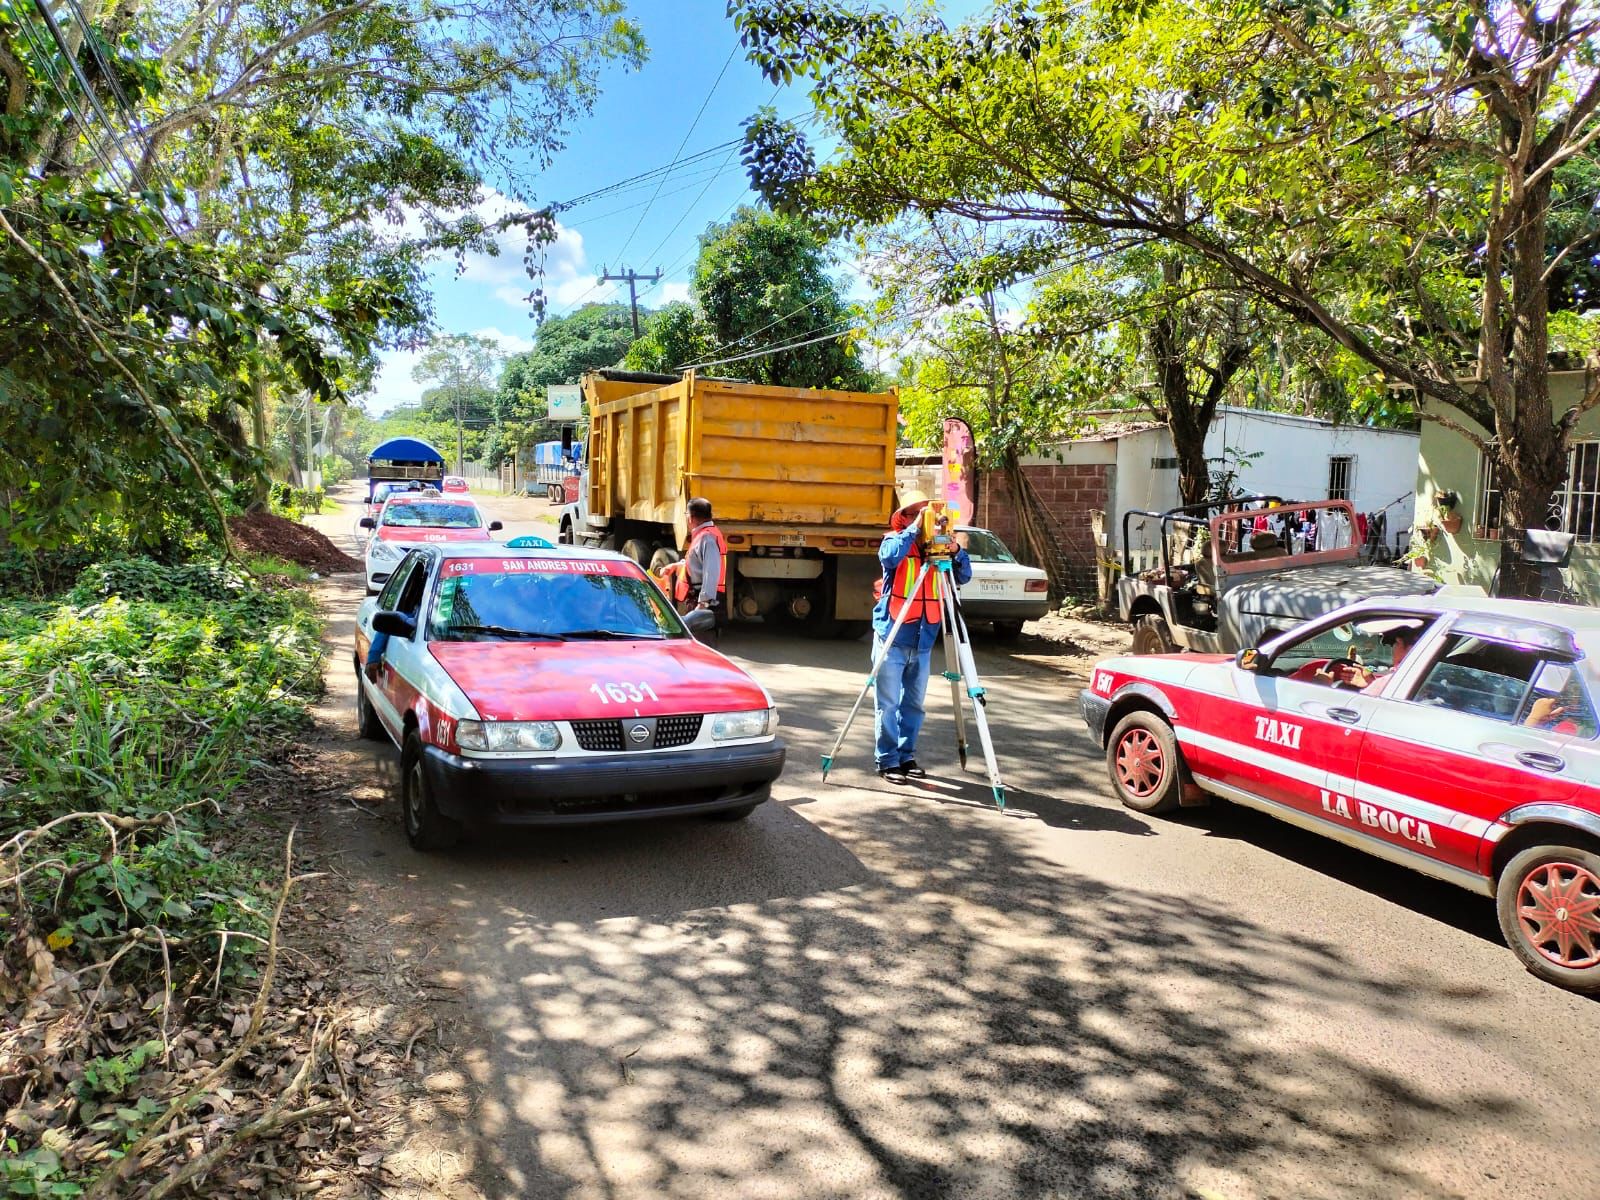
(791, 539)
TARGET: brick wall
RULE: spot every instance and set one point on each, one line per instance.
(1071, 493)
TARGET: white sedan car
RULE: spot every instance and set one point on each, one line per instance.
(410, 519)
(1001, 589)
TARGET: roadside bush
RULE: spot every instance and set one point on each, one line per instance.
(294, 502)
(336, 469)
(132, 707)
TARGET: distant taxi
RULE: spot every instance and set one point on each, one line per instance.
(1452, 734)
(410, 519)
(553, 686)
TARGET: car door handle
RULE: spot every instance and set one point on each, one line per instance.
(1541, 762)
(1345, 716)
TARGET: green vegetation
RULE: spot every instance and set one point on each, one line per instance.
(132, 709)
(1286, 155)
(761, 281)
(217, 232)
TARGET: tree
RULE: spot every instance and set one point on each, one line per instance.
(1168, 336)
(596, 335)
(464, 369)
(761, 281)
(674, 336)
(304, 165)
(1349, 162)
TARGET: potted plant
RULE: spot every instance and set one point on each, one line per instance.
(1447, 503)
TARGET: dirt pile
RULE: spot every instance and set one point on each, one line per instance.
(265, 533)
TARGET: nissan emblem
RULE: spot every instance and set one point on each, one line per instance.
(639, 733)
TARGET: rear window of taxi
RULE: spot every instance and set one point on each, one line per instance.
(431, 514)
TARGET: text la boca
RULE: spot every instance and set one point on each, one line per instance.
(1409, 828)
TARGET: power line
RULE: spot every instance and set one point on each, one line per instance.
(771, 350)
(715, 83)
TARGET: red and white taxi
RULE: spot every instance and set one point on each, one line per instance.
(410, 519)
(1452, 734)
(553, 686)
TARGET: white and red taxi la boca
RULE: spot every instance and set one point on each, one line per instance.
(557, 686)
(1452, 734)
(409, 519)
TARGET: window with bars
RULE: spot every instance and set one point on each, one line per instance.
(1574, 509)
(1341, 476)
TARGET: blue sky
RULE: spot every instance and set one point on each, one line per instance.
(639, 121)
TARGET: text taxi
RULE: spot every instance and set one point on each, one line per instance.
(553, 686)
(1455, 735)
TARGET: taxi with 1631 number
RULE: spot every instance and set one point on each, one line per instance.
(546, 686)
(1455, 735)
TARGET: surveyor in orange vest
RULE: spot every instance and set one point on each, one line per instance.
(902, 681)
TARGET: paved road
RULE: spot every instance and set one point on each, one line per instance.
(874, 991)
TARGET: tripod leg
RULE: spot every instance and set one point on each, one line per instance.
(952, 671)
(872, 677)
(969, 672)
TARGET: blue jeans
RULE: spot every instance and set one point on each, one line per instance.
(902, 684)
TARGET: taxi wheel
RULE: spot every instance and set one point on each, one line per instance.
(426, 827)
(1007, 631)
(1548, 900)
(1152, 635)
(370, 728)
(1146, 767)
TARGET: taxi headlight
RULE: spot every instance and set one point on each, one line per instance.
(508, 736)
(382, 551)
(726, 727)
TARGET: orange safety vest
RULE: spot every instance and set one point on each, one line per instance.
(923, 604)
(680, 588)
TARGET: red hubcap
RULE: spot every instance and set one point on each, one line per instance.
(1140, 763)
(1558, 907)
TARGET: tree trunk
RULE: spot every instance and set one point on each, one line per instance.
(1533, 444)
(1187, 423)
(260, 485)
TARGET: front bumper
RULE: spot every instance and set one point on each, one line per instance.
(1095, 709)
(602, 787)
(1004, 608)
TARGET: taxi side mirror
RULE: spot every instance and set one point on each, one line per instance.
(1249, 659)
(494, 526)
(368, 523)
(395, 624)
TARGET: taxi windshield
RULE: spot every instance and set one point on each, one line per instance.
(420, 513)
(549, 600)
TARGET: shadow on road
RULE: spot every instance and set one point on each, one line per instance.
(989, 1025)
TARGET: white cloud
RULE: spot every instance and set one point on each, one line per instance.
(511, 343)
(669, 293)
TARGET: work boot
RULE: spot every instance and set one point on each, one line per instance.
(892, 774)
(910, 769)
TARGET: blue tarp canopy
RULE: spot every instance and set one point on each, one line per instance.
(405, 450)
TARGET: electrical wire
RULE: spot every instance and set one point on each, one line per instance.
(715, 83)
(771, 350)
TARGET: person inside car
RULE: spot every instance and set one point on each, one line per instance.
(1399, 638)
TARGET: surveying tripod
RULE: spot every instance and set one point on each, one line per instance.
(959, 668)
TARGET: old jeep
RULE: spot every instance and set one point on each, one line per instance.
(1226, 575)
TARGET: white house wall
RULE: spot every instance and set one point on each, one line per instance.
(1293, 462)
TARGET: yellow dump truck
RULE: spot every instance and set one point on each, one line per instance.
(801, 482)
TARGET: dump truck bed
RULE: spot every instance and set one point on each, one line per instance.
(764, 456)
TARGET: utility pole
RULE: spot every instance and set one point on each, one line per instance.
(632, 278)
(461, 438)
